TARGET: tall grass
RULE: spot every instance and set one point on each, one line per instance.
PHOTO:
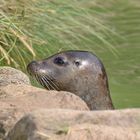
(37, 28)
(12, 35)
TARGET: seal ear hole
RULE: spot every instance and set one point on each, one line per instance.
(77, 63)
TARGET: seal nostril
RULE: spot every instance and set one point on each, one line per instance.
(33, 63)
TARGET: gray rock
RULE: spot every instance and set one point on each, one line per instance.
(58, 124)
(10, 75)
(18, 100)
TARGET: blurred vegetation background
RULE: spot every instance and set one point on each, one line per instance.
(110, 29)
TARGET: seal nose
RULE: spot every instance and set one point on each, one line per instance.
(33, 62)
(32, 67)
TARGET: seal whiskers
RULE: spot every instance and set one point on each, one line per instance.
(47, 81)
(41, 81)
(51, 79)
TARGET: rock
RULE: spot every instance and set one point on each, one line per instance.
(10, 75)
(17, 100)
(28, 97)
(45, 121)
(61, 124)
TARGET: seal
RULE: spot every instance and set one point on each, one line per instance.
(79, 72)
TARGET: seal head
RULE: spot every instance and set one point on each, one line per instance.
(79, 72)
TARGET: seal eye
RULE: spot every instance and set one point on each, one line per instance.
(77, 63)
(59, 61)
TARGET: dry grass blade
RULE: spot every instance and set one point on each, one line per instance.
(21, 38)
(5, 55)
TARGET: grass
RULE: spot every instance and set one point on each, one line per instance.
(110, 29)
(12, 35)
(124, 71)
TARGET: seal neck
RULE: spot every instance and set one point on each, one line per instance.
(96, 93)
(98, 100)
